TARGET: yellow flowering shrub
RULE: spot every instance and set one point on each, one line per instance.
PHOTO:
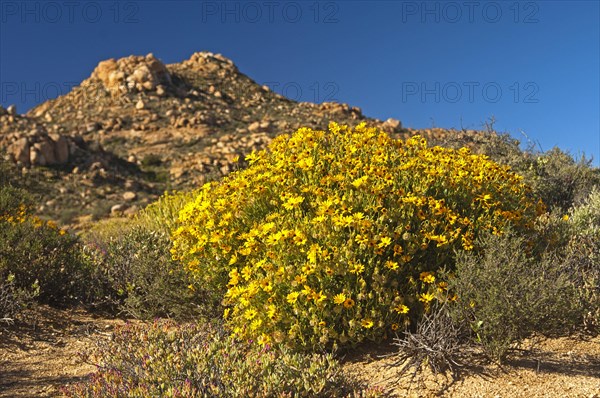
(335, 236)
(37, 255)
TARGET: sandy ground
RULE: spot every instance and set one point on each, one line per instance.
(39, 354)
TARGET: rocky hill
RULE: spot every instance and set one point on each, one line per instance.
(137, 127)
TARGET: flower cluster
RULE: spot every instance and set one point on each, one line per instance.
(334, 237)
(21, 215)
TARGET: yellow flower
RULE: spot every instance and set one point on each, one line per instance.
(250, 314)
(319, 297)
(426, 297)
(307, 291)
(349, 303)
(252, 158)
(367, 323)
(401, 309)
(293, 202)
(360, 181)
(246, 272)
(391, 265)
(442, 286)
(384, 242)
(427, 277)
(356, 268)
(293, 297)
(395, 326)
(263, 339)
(272, 311)
(234, 277)
(339, 298)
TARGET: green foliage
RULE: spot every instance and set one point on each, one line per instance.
(561, 181)
(36, 253)
(151, 160)
(134, 272)
(335, 237)
(162, 215)
(506, 293)
(14, 200)
(168, 360)
(13, 298)
(582, 254)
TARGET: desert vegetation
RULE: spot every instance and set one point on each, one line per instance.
(257, 283)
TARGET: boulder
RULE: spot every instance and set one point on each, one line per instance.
(131, 74)
(45, 148)
(393, 124)
(19, 150)
(129, 196)
(61, 148)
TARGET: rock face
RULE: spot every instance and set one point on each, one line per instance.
(38, 148)
(19, 151)
(131, 74)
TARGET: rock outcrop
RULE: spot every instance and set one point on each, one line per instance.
(133, 74)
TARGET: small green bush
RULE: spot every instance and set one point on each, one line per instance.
(134, 272)
(506, 293)
(561, 181)
(13, 299)
(582, 254)
(169, 360)
(37, 253)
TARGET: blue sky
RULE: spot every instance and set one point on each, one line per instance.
(534, 66)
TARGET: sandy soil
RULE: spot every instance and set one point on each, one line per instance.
(39, 354)
(558, 367)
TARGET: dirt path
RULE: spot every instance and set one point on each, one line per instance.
(561, 367)
(39, 354)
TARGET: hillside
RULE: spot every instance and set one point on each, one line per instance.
(137, 127)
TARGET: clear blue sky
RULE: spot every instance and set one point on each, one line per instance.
(534, 66)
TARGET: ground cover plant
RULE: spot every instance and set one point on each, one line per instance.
(199, 360)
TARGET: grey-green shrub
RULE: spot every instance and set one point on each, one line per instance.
(134, 272)
(582, 254)
(507, 293)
